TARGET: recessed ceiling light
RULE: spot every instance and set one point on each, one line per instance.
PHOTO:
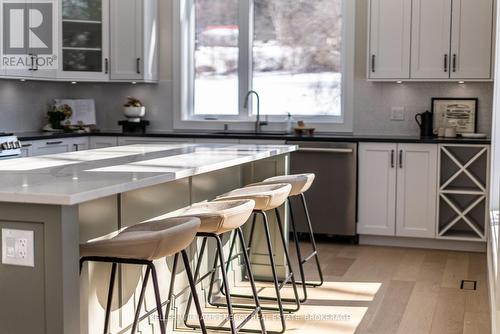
(22, 80)
(399, 82)
(133, 82)
(461, 82)
(73, 82)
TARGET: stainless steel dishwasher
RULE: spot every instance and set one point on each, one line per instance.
(332, 197)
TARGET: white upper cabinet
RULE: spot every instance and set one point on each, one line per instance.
(84, 40)
(134, 40)
(430, 42)
(434, 39)
(416, 190)
(471, 39)
(377, 189)
(389, 40)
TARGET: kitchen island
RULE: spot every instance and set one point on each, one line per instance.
(64, 199)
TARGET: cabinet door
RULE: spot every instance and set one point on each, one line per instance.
(19, 13)
(84, 40)
(471, 39)
(416, 190)
(430, 43)
(102, 142)
(389, 41)
(377, 189)
(126, 19)
(52, 147)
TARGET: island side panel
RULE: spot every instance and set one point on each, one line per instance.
(42, 299)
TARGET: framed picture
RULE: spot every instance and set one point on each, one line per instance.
(460, 113)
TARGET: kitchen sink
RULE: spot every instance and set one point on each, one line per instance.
(252, 133)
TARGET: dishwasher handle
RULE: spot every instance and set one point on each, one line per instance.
(326, 150)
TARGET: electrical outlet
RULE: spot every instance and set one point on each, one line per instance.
(18, 247)
(397, 114)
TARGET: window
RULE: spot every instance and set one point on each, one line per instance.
(296, 54)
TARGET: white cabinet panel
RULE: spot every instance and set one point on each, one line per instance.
(471, 39)
(134, 39)
(102, 142)
(416, 190)
(377, 189)
(389, 40)
(151, 140)
(126, 39)
(430, 43)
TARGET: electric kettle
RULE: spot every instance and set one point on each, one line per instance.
(424, 121)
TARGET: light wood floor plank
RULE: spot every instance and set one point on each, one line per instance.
(449, 313)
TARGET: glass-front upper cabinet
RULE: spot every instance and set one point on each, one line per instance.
(84, 39)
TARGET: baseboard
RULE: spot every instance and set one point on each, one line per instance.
(466, 246)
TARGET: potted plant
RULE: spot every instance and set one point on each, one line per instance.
(134, 110)
(57, 114)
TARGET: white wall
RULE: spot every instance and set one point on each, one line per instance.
(372, 101)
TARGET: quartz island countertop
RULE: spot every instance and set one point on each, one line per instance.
(76, 177)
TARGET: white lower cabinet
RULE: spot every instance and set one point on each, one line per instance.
(152, 140)
(102, 142)
(397, 189)
(54, 146)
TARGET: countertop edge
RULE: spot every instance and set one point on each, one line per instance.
(288, 138)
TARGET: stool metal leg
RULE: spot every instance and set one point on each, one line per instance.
(192, 285)
(290, 276)
(299, 253)
(156, 287)
(219, 257)
(314, 247)
(110, 297)
(171, 287)
(239, 232)
(141, 298)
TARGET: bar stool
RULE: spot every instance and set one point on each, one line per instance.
(141, 244)
(267, 198)
(300, 184)
(218, 218)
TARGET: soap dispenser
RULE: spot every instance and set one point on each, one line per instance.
(289, 123)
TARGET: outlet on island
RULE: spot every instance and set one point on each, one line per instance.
(18, 247)
(397, 114)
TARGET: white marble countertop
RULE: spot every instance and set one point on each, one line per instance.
(76, 177)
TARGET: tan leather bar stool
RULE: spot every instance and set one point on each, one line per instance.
(300, 184)
(141, 244)
(218, 218)
(267, 198)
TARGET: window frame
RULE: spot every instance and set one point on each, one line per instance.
(183, 75)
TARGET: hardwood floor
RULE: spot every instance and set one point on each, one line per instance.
(383, 290)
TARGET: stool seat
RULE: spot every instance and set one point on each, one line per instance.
(151, 240)
(266, 197)
(218, 217)
(300, 182)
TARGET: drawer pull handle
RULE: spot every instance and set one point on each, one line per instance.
(54, 142)
(392, 158)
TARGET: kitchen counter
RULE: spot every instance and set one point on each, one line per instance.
(319, 137)
(75, 177)
(59, 201)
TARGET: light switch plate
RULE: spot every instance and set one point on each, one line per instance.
(18, 247)
(397, 114)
